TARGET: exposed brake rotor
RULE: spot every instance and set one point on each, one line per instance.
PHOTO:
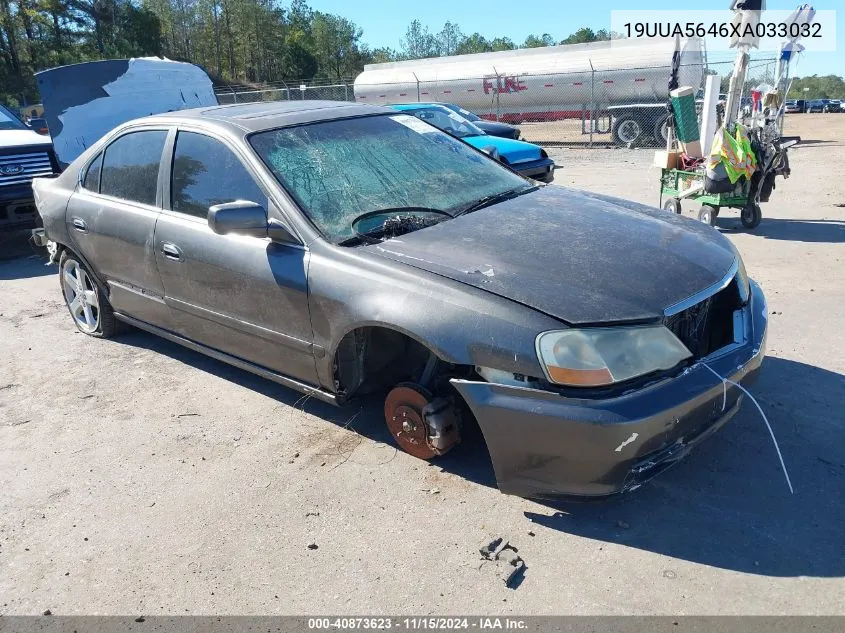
(422, 425)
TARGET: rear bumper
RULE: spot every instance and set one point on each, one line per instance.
(39, 237)
(545, 445)
(542, 169)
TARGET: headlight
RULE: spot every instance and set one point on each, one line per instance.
(600, 356)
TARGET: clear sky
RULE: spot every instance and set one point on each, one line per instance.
(384, 22)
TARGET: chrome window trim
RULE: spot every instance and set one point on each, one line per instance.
(708, 292)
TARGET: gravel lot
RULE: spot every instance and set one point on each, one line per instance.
(142, 478)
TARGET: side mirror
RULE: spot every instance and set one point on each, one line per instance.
(247, 218)
(241, 217)
(491, 151)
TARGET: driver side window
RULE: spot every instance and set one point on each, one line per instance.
(205, 173)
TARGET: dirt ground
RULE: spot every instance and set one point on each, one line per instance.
(142, 478)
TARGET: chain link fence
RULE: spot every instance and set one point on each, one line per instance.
(594, 108)
(283, 91)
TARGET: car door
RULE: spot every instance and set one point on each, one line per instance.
(111, 217)
(246, 296)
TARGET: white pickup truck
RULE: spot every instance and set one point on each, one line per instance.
(24, 155)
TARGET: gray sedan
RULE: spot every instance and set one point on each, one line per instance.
(345, 250)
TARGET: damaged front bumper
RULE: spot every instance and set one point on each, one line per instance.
(541, 169)
(545, 445)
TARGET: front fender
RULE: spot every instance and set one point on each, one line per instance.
(462, 325)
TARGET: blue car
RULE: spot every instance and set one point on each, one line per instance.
(823, 105)
(524, 158)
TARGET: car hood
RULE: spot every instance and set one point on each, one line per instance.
(494, 128)
(22, 138)
(514, 151)
(579, 257)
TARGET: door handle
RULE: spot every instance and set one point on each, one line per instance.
(171, 251)
(79, 224)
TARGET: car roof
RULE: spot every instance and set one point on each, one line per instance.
(254, 117)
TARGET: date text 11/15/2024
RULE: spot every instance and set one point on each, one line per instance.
(428, 623)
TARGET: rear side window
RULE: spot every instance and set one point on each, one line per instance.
(130, 166)
(205, 173)
(92, 176)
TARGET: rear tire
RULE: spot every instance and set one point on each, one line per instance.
(661, 130)
(751, 216)
(87, 303)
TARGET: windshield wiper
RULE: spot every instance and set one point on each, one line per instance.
(395, 223)
(487, 201)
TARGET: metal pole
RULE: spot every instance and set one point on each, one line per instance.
(498, 112)
(592, 100)
(418, 85)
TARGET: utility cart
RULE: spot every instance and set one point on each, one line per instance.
(747, 194)
(761, 129)
(677, 185)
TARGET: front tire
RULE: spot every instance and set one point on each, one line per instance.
(708, 214)
(672, 205)
(88, 305)
(627, 130)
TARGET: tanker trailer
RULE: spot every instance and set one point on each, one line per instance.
(626, 80)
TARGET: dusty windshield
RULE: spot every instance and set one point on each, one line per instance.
(339, 170)
(9, 121)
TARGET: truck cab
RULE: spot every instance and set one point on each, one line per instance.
(24, 155)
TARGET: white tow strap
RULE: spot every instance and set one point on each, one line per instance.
(725, 383)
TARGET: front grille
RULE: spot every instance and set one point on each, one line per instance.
(707, 326)
(25, 166)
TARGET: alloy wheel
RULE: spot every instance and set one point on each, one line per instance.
(81, 296)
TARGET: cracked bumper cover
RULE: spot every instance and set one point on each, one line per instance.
(539, 167)
(545, 445)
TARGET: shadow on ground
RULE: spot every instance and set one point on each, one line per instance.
(830, 231)
(25, 267)
(728, 504)
(471, 461)
(808, 142)
(20, 258)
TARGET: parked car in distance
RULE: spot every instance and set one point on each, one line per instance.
(39, 125)
(421, 271)
(493, 128)
(524, 158)
(836, 105)
(823, 105)
(24, 155)
(791, 107)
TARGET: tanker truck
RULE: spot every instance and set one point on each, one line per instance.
(623, 82)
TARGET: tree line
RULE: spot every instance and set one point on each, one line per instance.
(816, 87)
(235, 41)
